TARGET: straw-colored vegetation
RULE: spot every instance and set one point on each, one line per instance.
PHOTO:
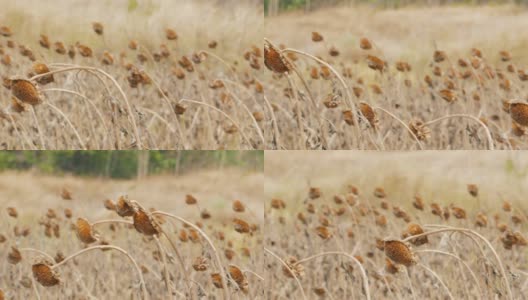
(131, 75)
(196, 236)
(385, 226)
(413, 78)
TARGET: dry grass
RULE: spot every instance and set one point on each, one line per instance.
(420, 100)
(179, 75)
(355, 228)
(161, 248)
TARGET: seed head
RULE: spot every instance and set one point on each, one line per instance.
(367, 111)
(458, 212)
(419, 129)
(123, 207)
(399, 252)
(379, 192)
(439, 56)
(217, 280)
(12, 212)
(390, 267)
(333, 51)
(278, 203)
(238, 206)
(190, 200)
(365, 44)
(519, 113)
(98, 28)
(85, 51)
(415, 229)
(5, 31)
(107, 59)
(200, 264)
(44, 274)
(237, 275)
(274, 60)
(170, 34)
(506, 206)
(448, 95)
(375, 63)
(323, 232)
(298, 269)
(314, 193)
(85, 231)
(144, 223)
(40, 68)
(418, 202)
(109, 204)
(205, 214)
(505, 55)
(481, 220)
(44, 41)
(317, 37)
(14, 256)
(472, 189)
(241, 226)
(25, 91)
(59, 48)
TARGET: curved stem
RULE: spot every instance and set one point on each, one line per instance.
(409, 281)
(363, 273)
(224, 114)
(182, 264)
(274, 120)
(452, 229)
(83, 97)
(254, 274)
(37, 251)
(341, 80)
(217, 257)
(165, 268)
(69, 123)
(143, 287)
(402, 123)
(439, 280)
(129, 108)
(289, 270)
(111, 221)
(458, 259)
(486, 129)
(157, 116)
(41, 136)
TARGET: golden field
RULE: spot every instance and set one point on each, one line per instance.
(396, 225)
(415, 78)
(192, 236)
(131, 75)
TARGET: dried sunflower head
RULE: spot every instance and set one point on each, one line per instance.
(44, 274)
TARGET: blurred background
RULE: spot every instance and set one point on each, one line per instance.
(274, 7)
(407, 30)
(233, 24)
(128, 164)
(438, 176)
(33, 181)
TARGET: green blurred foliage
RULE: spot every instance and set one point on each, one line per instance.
(285, 5)
(125, 164)
(132, 5)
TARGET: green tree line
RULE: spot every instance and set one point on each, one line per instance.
(273, 7)
(127, 164)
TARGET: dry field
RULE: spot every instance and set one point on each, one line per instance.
(367, 225)
(195, 236)
(131, 74)
(407, 79)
